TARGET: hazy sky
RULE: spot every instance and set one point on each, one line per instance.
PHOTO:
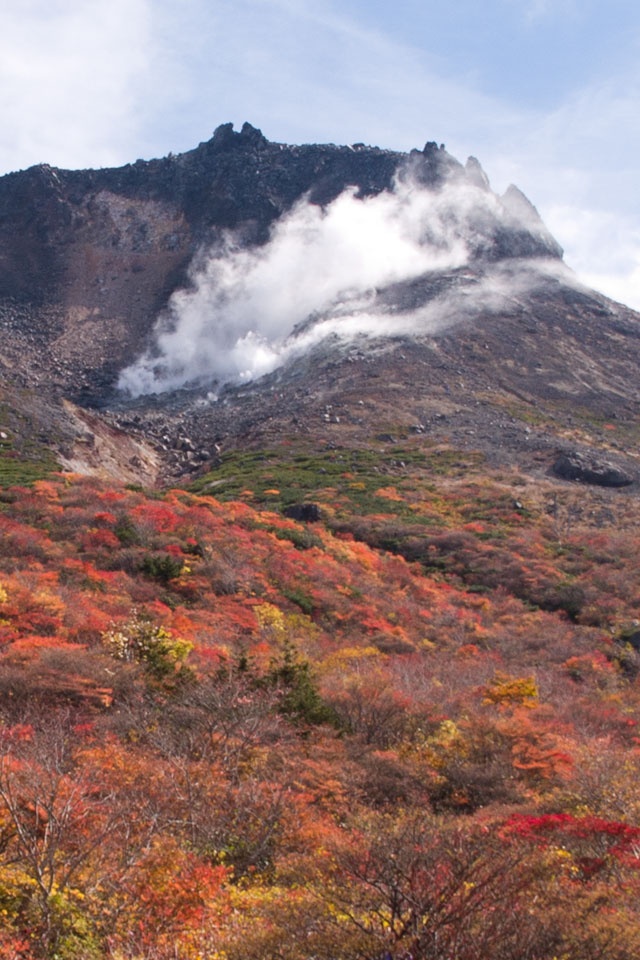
(546, 93)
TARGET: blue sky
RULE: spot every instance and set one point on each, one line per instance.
(546, 93)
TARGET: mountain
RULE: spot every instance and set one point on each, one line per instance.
(488, 339)
(319, 527)
(89, 258)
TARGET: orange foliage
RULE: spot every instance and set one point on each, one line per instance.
(336, 695)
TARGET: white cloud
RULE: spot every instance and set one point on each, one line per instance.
(70, 80)
(535, 10)
(305, 73)
(580, 155)
(578, 163)
(604, 249)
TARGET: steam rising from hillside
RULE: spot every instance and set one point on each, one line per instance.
(239, 318)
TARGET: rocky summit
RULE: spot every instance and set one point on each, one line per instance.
(519, 361)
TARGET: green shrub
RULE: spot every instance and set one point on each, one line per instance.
(162, 566)
(300, 697)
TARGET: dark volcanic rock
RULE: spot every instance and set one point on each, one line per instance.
(306, 512)
(575, 466)
(632, 638)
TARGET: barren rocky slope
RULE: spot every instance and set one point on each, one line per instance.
(89, 259)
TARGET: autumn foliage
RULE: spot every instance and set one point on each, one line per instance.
(228, 734)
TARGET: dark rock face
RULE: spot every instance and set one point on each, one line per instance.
(632, 638)
(575, 466)
(305, 512)
(234, 179)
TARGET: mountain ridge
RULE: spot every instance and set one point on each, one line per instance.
(90, 259)
(94, 254)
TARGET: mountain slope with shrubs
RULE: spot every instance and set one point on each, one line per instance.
(407, 728)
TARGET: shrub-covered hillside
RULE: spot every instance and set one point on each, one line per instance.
(408, 729)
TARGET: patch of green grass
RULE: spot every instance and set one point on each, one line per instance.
(348, 480)
(23, 460)
(599, 425)
(524, 412)
(22, 470)
(162, 566)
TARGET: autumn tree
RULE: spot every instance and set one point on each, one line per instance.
(54, 823)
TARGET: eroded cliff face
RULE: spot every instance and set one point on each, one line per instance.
(88, 259)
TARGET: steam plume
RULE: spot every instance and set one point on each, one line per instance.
(239, 318)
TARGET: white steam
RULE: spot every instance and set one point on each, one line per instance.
(238, 320)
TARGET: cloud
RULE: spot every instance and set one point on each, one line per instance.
(605, 249)
(578, 162)
(91, 84)
(580, 153)
(248, 310)
(307, 73)
(535, 10)
(70, 79)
